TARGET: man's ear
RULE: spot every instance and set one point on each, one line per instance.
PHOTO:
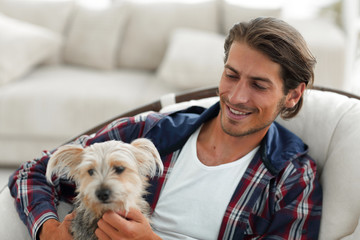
(294, 95)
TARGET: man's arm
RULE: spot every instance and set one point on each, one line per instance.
(55, 230)
(297, 203)
(36, 199)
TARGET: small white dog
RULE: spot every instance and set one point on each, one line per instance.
(111, 175)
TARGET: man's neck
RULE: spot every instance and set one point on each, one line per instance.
(215, 147)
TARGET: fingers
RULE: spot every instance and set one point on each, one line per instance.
(68, 218)
(120, 224)
(132, 215)
(101, 235)
(113, 219)
(119, 219)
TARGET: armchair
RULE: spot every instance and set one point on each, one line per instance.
(328, 123)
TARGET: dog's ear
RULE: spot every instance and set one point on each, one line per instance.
(64, 161)
(148, 157)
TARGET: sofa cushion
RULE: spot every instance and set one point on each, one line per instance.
(150, 24)
(49, 14)
(330, 55)
(18, 57)
(75, 99)
(94, 35)
(235, 11)
(193, 59)
(54, 103)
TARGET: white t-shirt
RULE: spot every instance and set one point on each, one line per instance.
(195, 197)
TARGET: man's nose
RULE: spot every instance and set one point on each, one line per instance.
(239, 93)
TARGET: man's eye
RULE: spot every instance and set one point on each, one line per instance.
(260, 87)
(231, 76)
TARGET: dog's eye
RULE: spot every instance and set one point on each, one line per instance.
(91, 172)
(119, 169)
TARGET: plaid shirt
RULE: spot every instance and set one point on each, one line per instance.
(279, 196)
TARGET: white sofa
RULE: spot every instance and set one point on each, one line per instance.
(65, 68)
(328, 123)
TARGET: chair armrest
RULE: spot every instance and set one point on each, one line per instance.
(11, 227)
(355, 235)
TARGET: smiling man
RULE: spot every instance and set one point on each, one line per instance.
(251, 97)
(231, 171)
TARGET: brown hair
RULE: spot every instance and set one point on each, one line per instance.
(284, 45)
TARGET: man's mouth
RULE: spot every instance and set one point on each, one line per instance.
(236, 112)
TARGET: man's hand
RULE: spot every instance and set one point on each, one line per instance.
(53, 229)
(134, 225)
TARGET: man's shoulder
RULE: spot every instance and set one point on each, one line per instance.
(176, 127)
(281, 146)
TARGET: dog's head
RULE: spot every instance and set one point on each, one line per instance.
(109, 175)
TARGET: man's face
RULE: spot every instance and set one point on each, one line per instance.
(251, 92)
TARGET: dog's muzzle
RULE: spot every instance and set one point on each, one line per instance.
(103, 194)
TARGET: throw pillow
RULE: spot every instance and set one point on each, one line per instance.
(151, 23)
(94, 35)
(194, 59)
(52, 14)
(23, 46)
(235, 12)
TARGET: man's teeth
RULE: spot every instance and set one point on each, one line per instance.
(237, 112)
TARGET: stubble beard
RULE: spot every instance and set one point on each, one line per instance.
(253, 130)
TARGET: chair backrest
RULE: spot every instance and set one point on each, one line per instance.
(329, 123)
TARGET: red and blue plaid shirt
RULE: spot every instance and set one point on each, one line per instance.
(279, 196)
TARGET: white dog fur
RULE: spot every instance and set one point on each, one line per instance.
(112, 175)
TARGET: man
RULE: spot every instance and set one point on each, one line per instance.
(231, 172)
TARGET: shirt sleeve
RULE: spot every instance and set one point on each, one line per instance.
(36, 199)
(297, 204)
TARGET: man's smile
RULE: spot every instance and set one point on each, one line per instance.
(237, 113)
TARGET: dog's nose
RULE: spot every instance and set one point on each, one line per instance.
(103, 194)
